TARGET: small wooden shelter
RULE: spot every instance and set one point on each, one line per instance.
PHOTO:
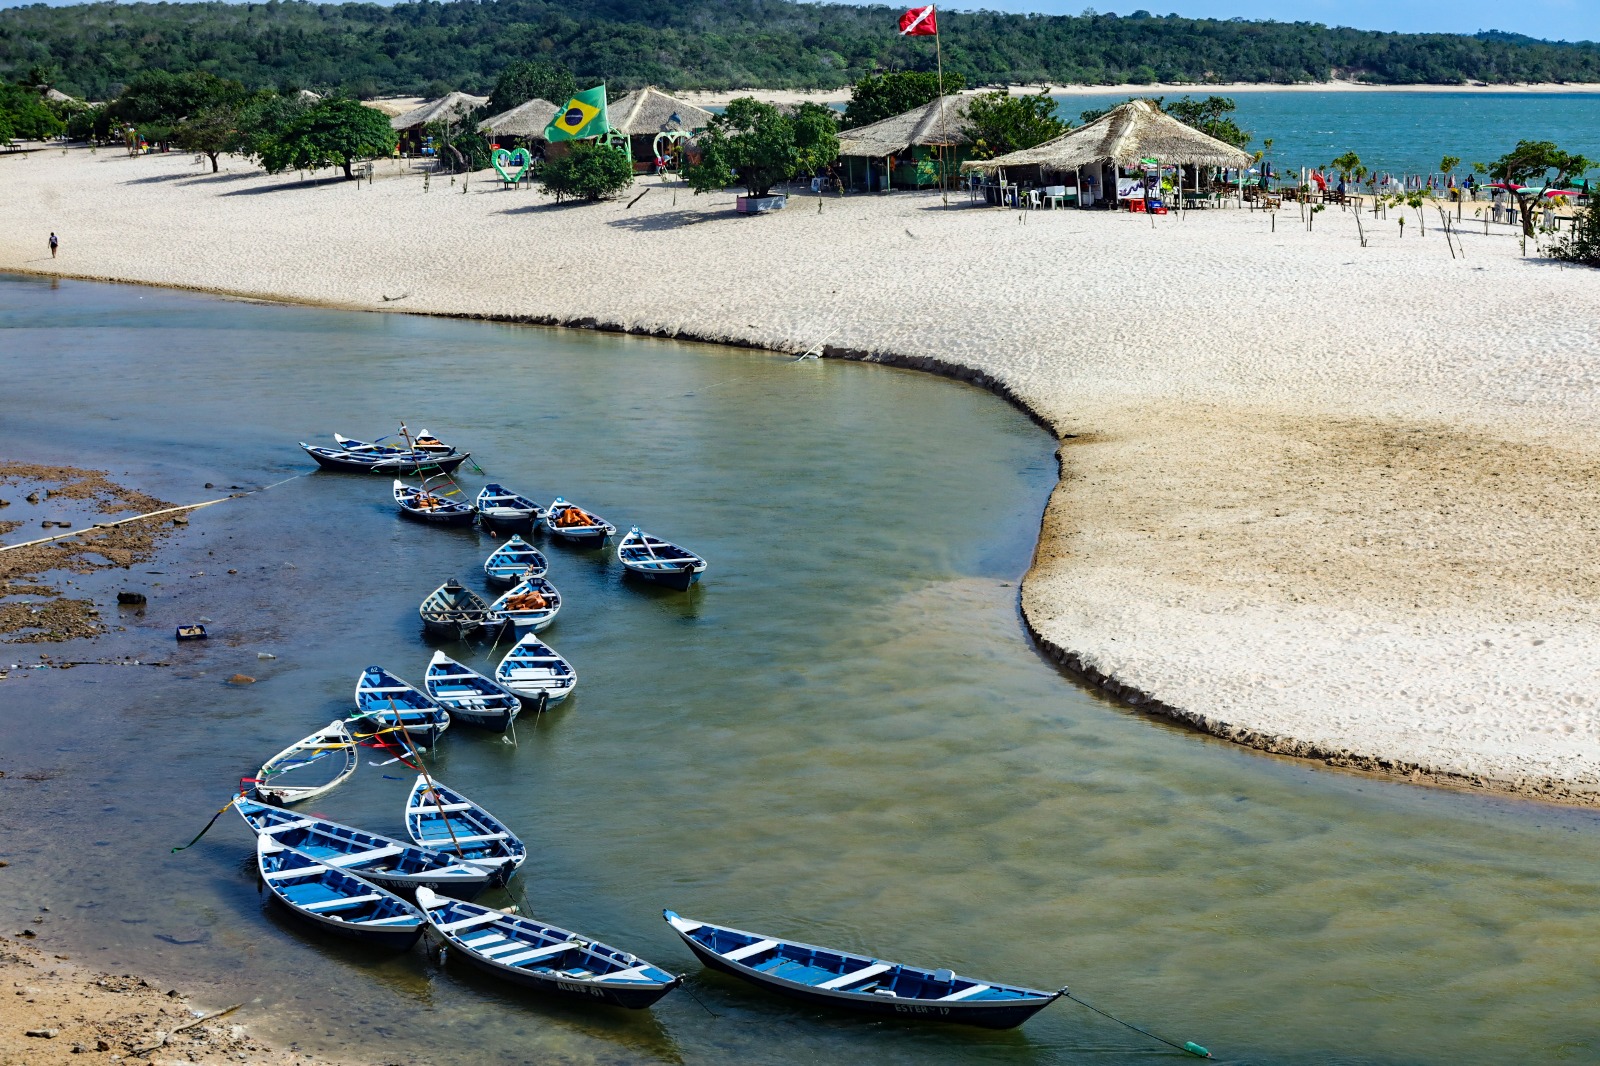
(644, 115)
(1126, 137)
(906, 149)
(452, 106)
(524, 124)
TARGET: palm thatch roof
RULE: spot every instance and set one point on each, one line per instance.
(649, 110)
(937, 122)
(452, 106)
(1123, 136)
(60, 97)
(527, 119)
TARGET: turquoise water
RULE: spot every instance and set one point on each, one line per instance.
(1398, 132)
(841, 736)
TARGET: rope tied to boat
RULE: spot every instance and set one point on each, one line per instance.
(1188, 1046)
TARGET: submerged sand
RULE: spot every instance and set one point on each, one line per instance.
(1325, 499)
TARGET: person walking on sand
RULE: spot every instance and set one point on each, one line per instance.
(55, 242)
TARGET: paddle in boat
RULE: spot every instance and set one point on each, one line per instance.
(423, 442)
(389, 863)
(545, 957)
(513, 561)
(455, 611)
(830, 978)
(648, 556)
(577, 526)
(427, 505)
(531, 603)
(379, 463)
(500, 508)
(532, 669)
(385, 701)
(439, 817)
(334, 901)
(469, 696)
(284, 779)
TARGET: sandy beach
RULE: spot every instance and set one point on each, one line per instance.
(1320, 499)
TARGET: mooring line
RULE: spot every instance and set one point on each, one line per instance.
(152, 514)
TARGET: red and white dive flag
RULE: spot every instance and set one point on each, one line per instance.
(919, 22)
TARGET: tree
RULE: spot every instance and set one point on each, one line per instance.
(1210, 116)
(267, 117)
(1582, 243)
(156, 102)
(337, 130)
(757, 146)
(212, 132)
(521, 82)
(587, 169)
(1531, 160)
(879, 96)
(24, 114)
(998, 123)
(1346, 165)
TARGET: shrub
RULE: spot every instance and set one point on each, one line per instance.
(1582, 243)
(589, 170)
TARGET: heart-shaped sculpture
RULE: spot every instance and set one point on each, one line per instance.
(517, 161)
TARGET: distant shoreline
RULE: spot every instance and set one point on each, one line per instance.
(718, 98)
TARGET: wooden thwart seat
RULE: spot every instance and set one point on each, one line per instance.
(748, 950)
(965, 993)
(547, 952)
(468, 923)
(365, 856)
(843, 980)
(349, 901)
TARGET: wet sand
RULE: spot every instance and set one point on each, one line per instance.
(1317, 498)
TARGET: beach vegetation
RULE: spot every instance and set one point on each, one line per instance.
(528, 80)
(998, 123)
(876, 97)
(585, 170)
(755, 145)
(336, 131)
(24, 114)
(266, 117)
(457, 144)
(155, 102)
(1534, 161)
(1581, 244)
(422, 47)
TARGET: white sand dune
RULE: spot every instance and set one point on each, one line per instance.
(1323, 499)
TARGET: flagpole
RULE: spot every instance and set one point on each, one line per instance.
(943, 134)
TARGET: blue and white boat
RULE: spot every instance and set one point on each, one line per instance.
(513, 561)
(381, 462)
(500, 508)
(829, 978)
(334, 901)
(575, 525)
(534, 670)
(545, 957)
(661, 561)
(455, 612)
(394, 865)
(429, 505)
(387, 702)
(287, 778)
(469, 696)
(439, 817)
(530, 604)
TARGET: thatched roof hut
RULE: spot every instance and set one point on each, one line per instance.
(528, 120)
(937, 123)
(1123, 137)
(651, 111)
(453, 106)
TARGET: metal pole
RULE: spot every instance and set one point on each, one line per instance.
(944, 136)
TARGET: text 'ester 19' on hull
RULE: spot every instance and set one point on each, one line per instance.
(829, 978)
(324, 896)
(545, 957)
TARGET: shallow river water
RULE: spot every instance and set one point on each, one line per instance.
(843, 735)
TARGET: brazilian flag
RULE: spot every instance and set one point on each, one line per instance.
(584, 116)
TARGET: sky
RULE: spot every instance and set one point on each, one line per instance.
(1556, 20)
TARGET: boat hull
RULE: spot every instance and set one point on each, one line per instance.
(438, 518)
(680, 580)
(354, 463)
(595, 539)
(617, 996)
(507, 518)
(999, 1016)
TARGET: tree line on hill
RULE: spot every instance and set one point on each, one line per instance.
(419, 46)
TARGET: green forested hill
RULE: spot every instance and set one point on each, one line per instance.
(418, 46)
